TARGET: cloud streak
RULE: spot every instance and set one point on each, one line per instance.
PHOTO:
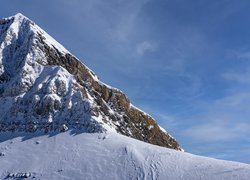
(217, 131)
(144, 47)
(242, 77)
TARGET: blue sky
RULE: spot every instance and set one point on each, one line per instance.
(187, 63)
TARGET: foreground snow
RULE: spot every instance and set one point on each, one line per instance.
(105, 156)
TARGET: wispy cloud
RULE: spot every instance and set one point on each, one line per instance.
(144, 47)
(243, 55)
(237, 101)
(217, 131)
(240, 77)
(110, 21)
(223, 120)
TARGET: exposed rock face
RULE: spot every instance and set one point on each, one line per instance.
(44, 87)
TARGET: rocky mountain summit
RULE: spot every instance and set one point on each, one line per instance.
(43, 87)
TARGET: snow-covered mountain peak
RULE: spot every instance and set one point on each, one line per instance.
(12, 27)
(19, 26)
(43, 87)
(19, 17)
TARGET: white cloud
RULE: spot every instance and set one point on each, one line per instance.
(242, 77)
(237, 101)
(112, 20)
(224, 119)
(217, 131)
(243, 55)
(145, 46)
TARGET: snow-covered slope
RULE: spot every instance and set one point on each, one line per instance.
(101, 156)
